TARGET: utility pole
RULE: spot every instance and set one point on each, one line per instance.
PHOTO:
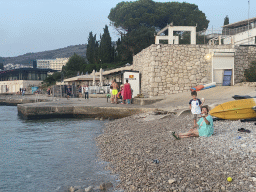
(248, 19)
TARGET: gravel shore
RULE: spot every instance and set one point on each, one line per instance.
(147, 157)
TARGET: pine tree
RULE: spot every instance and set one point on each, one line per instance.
(92, 49)
(106, 52)
(226, 20)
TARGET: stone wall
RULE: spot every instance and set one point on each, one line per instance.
(168, 69)
(243, 57)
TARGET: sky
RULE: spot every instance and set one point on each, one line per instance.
(39, 25)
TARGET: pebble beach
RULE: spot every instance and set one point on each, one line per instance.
(142, 151)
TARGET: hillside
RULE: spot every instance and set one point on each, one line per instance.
(52, 54)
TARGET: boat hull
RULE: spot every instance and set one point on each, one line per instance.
(234, 110)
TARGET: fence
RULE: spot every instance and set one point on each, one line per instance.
(74, 92)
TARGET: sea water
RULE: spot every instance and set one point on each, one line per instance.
(49, 154)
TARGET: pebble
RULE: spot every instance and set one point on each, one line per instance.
(170, 181)
(131, 144)
(89, 189)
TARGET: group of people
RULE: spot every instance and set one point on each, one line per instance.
(125, 92)
(202, 127)
(22, 91)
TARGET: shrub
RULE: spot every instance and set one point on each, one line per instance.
(250, 73)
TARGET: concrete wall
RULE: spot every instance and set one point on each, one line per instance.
(168, 69)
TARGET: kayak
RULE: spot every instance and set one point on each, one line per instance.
(234, 110)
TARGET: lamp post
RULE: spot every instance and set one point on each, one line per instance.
(248, 20)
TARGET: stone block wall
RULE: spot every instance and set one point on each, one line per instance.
(168, 69)
(243, 57)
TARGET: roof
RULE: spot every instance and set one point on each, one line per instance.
(239, 23)
(116, 70)
(82, 78)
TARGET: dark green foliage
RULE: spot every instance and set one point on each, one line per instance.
(130, 15)
(51, 79)
(226, 20)
(138, 39)
(74, 65)
(92, 49)
(105, 49)
(184, 38)
(250, 73)
(137, 22)
(1, 66)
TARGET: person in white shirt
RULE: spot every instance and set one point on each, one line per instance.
(86, 92)
(195, 105)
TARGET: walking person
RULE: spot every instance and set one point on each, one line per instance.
(127, 94)
(86, 92)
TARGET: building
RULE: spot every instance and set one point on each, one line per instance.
(238, 33)
(12, 80)
(172, 68)
(55, 64)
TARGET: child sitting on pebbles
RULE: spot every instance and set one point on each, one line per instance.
(205, 124)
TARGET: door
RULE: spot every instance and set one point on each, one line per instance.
(227, 78)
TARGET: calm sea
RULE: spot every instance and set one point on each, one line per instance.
(49, 154)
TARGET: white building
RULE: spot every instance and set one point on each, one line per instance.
(55, 64)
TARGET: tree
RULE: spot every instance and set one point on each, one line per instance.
(138, 39)
(51, 79)
(92, 49)
(137, 22)
(75, 64)
(127, 16)
(226, 20)
(105, 48)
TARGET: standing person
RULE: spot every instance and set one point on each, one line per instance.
(195, 106)
(122, 93)
(127, 92)
(23, 92)
(86, 92)
(110, 91)
(114, 92)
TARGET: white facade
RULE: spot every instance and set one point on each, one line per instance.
(14, 86)
(55, 64)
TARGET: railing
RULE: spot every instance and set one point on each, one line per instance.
(235, 31)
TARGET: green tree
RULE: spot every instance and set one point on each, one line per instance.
(137, 22)
(92, 49)
(75, 64)
(138, 39)
(127, 16)
(51, 79)
(226, 20)
(105, 48)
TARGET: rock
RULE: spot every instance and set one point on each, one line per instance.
(223, 188)
(253, 179)
(105, 186)
(170, 181)
(71, 189)
(89, 189)
(243, 145)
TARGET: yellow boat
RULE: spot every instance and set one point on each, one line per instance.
(234, 110)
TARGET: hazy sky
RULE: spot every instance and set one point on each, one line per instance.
(40, 25)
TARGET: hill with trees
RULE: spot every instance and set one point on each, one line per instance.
(27, 59)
